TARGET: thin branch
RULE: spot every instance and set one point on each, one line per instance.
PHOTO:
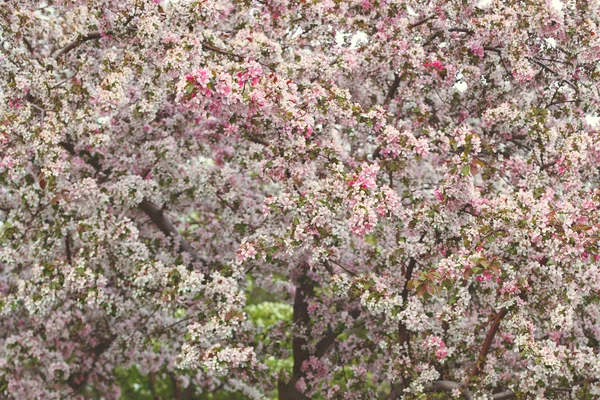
(258, 140)
(221, 51)
(493, 49)
(555, 103)
(344, 268)
(91, 36)
(487, 343)
(68, 248)
(80, 40)
(396, 83)
(508, 394)
(461, 30)
(167, 327)
(421, 22)
(548, 165)
(239, 57)
(553, 72)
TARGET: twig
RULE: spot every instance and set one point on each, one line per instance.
(552, 71)
(548, 165)
(421, 22)
(80, 40)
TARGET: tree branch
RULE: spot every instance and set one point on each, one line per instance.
(487, 343)
(396, 83)
(403, 338)
(301, 320)
(68, 248)
(157, 216)
(508, 394)
(325, 343)
(80, 40)
(548, 165)
(448, 386)
(154, 213)
(421, 22)
(553, 72)
(392, 90)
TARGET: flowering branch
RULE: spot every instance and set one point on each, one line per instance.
(155, 214)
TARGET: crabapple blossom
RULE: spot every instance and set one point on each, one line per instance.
(362, 199)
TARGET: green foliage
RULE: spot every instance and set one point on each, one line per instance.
(269, 313)
(135, 386)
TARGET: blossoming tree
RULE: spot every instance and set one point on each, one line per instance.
(406, 191)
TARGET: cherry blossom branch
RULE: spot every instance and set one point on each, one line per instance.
(548, 165)
(325, 343)
(403, 338)
(68, 247)
(392, 90)
(165, 328)
(91, 36)
(77, 381)
(239, 57)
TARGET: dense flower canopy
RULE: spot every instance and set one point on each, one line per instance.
(300, 199)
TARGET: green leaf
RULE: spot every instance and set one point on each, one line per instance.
(371, 239)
